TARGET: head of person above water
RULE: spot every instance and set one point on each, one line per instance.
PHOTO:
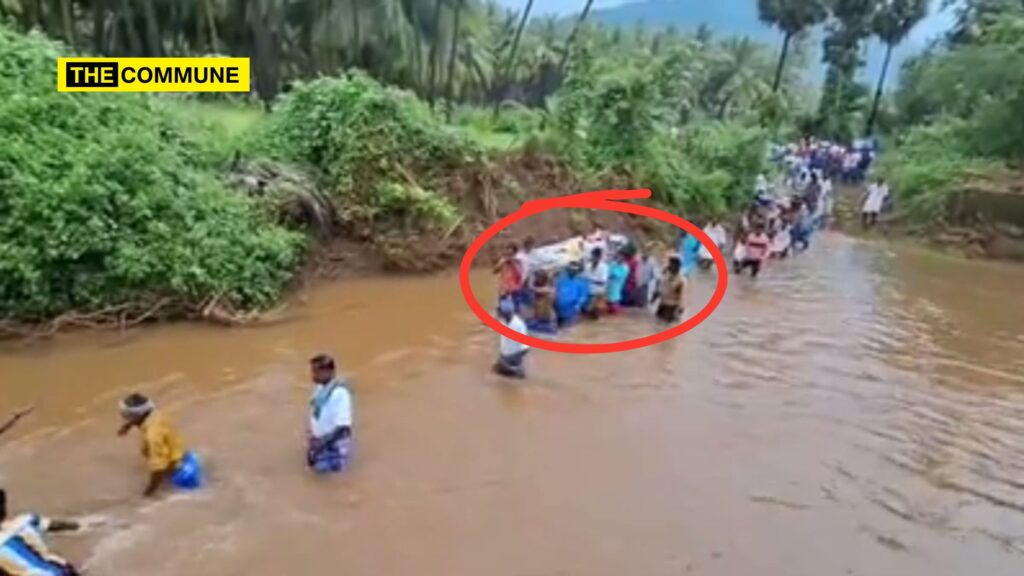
(541, 278)
(529, 244)
(135, 408)
(675, 264)
(511, 250)
(322, 369)
(506, 309)
(596, 254)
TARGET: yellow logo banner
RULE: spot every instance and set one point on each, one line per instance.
(153, 74)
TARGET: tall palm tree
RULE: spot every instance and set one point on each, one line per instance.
(791, 17)
(510, 61)
(572, 36)
(435, 51)
(456, 33)
(892, 24)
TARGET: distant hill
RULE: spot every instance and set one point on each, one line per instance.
(739, 18)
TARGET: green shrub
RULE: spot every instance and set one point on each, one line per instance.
(413, 203)
(929, 166)
(108, 199)
(353, 130)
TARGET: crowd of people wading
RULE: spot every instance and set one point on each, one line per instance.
(541, 291)
(547, 289)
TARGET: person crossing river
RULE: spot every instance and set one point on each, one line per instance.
(23, 552)
(162, 446)
(329, 446)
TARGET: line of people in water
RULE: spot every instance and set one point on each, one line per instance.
(169, 462)
(604, 273)
(544, 291)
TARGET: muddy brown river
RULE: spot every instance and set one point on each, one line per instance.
(858, 410)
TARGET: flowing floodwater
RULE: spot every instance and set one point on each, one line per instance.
(857, 410)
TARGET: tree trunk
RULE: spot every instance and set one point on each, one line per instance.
(870, 129)
(154, 41)
(357, 54)
(450, 80)
(435, 49)
(99, 21)
(211, 24)
(572, 37)
(201, 42)
(68, 20)
(782, 62)
(128, 21)
(503, 78)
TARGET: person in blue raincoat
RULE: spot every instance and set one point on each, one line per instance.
(689, 251)
(571, 294)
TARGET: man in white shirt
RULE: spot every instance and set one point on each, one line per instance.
(873, 202)
(22, 548)
(598, 240)
(827, 200)
(511, 353)
(330, 418)
(716, 232)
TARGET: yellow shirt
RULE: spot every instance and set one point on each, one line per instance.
(162, 444)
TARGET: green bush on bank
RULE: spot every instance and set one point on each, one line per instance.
(370, 144)
(615, 120)
(109, 199)
(930, 166)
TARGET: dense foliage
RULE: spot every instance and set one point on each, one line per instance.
(686, 123)
(959, 110)
(107, 199)
(378, 150)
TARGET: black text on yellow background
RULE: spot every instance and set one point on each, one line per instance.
(152, 74)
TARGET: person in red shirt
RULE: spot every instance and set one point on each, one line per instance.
(755, 250)
(510, 273)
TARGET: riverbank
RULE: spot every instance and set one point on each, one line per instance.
(139, 208)
(983, 220)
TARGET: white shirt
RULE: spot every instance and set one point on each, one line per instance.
(597, 276)
(781, 241)
(525, 262)
(717, 235)
(509, 346)
(18, 558)
(876, 197)
(596, 240)
(336, 410)
(761, 186)
(739, 252)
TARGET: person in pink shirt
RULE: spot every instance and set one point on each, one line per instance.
(755, 250)
(510, 273)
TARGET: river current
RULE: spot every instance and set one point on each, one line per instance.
(856, 410)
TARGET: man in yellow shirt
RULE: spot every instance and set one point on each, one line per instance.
(162, 446)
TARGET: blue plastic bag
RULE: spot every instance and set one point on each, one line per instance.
(189, 474)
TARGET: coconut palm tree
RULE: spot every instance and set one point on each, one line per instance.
(510, 60)
(792, 17)
(572, 36)
(892, 24)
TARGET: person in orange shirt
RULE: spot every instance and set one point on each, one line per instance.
(162, 446)
(510, 273)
